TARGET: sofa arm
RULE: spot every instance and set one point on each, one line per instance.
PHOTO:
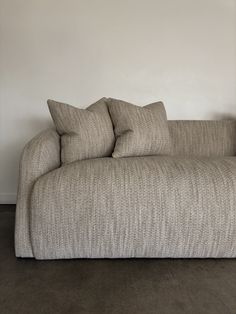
(40, 155)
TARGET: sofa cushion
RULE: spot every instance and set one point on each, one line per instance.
(151, 206)
(85, 133)
(139, 131)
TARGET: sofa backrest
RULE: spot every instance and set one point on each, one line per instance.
(203, 138)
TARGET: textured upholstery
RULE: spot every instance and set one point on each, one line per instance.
(85, 133)
(136, 207)
(40, 155)
(203, 138)
(139, 131)
(190, 199)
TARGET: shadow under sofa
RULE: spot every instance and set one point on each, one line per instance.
(182, 205)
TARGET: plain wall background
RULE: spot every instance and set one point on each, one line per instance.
(180, 51)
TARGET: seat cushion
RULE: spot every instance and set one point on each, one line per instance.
(136, 207)
(85, 133)
(139, 131)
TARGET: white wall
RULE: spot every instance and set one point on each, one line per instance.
(180, 51)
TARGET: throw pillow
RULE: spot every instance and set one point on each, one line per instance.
(85, 133)
(139, 131)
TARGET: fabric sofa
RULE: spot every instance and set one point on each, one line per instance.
(178, 205)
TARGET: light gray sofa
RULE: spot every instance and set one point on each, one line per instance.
(181, 205)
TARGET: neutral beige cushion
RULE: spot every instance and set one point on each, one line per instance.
(139, 131)
(85, 133)
(153, 206)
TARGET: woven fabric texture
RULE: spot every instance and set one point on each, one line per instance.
(83, 190)
(40, 155)
(139, 131)
(203, 138)
(85, 133)
(136, 207)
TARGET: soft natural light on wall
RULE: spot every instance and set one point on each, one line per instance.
(182, 52)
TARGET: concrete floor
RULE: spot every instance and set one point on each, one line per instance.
(112, 286)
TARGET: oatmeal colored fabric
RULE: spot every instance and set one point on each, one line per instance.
(107, 207)
(40, 155)
(139, 131)
(151, 206)
(203, 138)
(85, 133)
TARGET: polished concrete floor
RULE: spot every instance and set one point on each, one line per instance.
(111, 286)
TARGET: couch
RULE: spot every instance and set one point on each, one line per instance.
(181, 205)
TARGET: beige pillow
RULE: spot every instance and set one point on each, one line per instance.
(139, 131)
(85, 133)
